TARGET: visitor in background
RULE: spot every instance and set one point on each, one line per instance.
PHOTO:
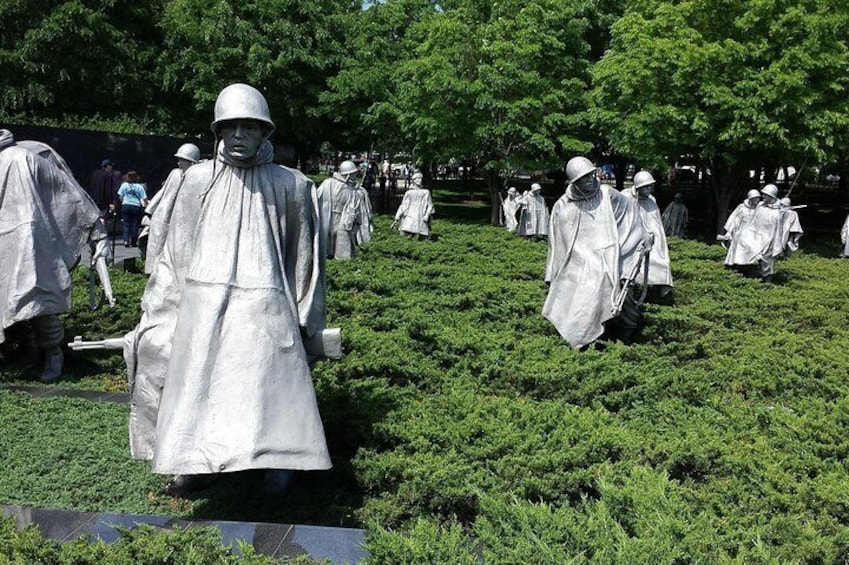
(133, 197)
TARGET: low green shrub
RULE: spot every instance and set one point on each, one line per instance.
(144, 545)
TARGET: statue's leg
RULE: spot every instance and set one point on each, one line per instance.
(49, 333)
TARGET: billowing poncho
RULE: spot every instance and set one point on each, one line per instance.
(46, 218)
(791, 231)
(415, 211)
(341, 209)
(509, 207)
(366, 218)
(660, 273)
(756, 238)
(159, 209)
(675, 218)
(844, 237)
(591, 245)
(534, 217)
(238, 283)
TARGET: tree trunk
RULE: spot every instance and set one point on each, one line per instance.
(728, 181)
(494, 183)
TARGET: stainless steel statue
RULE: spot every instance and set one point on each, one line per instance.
(596, 243)
(415, 210)
(340, 202)
(232, 315)
(509, 208)
(158, 210)
(753, 233)
(791, 227)
(533, 215)
(660, 272)
(676, 216)
(46, 218)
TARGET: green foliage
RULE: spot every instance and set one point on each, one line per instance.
(144, 545)
(61, 58)
(462, 425)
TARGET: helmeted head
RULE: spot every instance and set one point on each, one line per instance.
(753, 196)
(189, 152)
(678, 197)
(348, 170)
(535, 188)
(417, 179)
(241, 102)
(512, 191)
(643, 183)
(579, 167)
(242, 121)
(770, 191)
(785, 202)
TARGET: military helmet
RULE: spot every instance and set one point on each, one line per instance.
(512, 190)
(770, 190)
(241, 102)
(417, 178)
(643, 178)
(536, 187)
(753, 194)
(578, 167)
(348, 168)
(189, 152)
(785, 202)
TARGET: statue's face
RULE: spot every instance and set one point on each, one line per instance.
(242, 138)
(753, 201)
(183, 164)
(587, 184)
(645, 191)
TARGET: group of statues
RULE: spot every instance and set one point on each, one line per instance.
(760, 230)
(233, 314)
(525, 214)
(605, 249)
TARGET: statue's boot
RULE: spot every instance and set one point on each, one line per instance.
(185, 484)
(53, 360)
(277, 482)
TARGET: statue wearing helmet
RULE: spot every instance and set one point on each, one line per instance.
(158, 211)
(509, 207)
(46, 219)
(533, 214)
(233, 314)
(342, 211)
(595, 243)
(660, 272)
(791, 227)
(676, 216)
(753, 233)
(415, 210)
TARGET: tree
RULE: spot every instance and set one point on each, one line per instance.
(285, 48)
(375, 44)
(737, 83)
(64, 59)
(502, 81)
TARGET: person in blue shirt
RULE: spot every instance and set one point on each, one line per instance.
(133, 198)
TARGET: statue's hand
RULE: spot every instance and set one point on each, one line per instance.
(102, 249)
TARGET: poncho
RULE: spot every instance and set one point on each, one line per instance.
(675, 218)
(415, 211)
(534, 217)
(592, 242)
(340, 206)
(660, 273)
(45, 220)
(757, 238)
(240, 282)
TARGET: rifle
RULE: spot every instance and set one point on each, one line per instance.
(631, 280)
(795, 180)
(109, 343)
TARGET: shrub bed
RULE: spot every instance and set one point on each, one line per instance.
(463, 426)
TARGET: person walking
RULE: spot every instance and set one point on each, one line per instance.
(133, 198)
